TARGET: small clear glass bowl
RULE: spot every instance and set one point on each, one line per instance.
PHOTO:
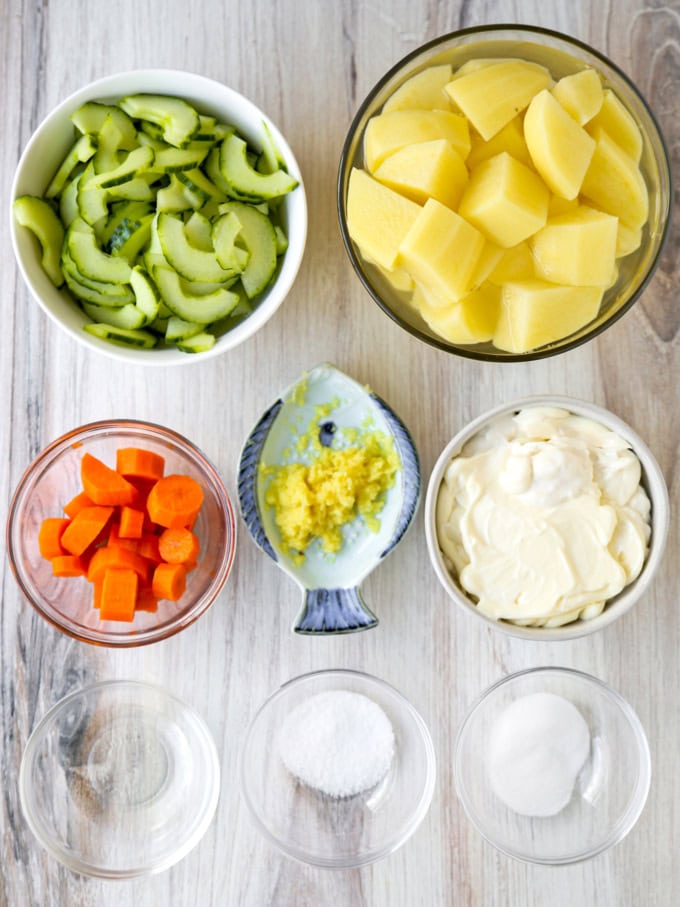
(120, 779)
(610, 791)
(329, 832)
(53, 478)
(562, 55)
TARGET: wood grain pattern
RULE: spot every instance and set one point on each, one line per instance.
(309, 63)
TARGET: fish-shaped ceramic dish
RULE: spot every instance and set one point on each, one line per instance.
(327, 409)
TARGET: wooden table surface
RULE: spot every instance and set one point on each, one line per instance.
(309, 63)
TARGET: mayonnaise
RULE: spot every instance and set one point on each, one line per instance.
(542, 517)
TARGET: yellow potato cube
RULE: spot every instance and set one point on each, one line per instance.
(388, 132)
(577, 248)
(510, 139)
(441, 251)
(505, 200)
(516, 263)
(628, 239)
(423, 91)
(472, 320)
(378, 218)
(426, 170)
(534, 313)
(580, 94)
(619, 124)
(491, 95)
(560, 149)
(557, 205)
(613, 182)
(399, 279)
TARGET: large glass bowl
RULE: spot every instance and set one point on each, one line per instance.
(54, 478)
(563, 55)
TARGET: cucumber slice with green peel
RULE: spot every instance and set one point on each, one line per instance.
(38, 216)
(92, 262)
(199, 183)
(211, 166)
(68, 202)
(244, 179)
(140, 339)
(175, 160)
(124, 212)
(178, 329)
(114, 294)
(134, 190)
(198, 231)
(178, 120)
(84, 293)
(108, 155)
(80, 153)
(89, 119)
(281, 240)
(128, 243)
(135, 163)
(199, 343)
(225, 231)
(147, 297)
(92, 202)
(191, 263)
(188, 307)
(127, 316)
(176, 197)
(271, 159)
(258, 236)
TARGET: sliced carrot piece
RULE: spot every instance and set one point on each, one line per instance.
(146, 600)
(174, 501)
(115, 538)
(76, 504)
(117, 556)
(102, 484)
(134, 462)
(147, 546)
(84, 528)
(178, 546)
(119, 594)
(169, 581)
(67, 565)
(49, 536)
(97, 593)
(131, 523)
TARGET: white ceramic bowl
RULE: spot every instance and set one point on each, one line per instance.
(652, 480)
(55, 135)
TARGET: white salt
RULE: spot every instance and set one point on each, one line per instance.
(338, 742)
(537, 748)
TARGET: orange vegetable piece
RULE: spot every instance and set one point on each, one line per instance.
(84, 528)
(97, 592)
(116, 556)
(118, 594)
(174, 501)
(76, 504)
(116, 539)
(102, 484)
(131, 523)
(68, 565)
(147, 546)
(133, 462)
(169, 581)
(49, 536)
(146, 600)
(178, 546)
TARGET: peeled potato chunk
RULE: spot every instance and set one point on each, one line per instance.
(505, 200)
(491, 95)
(423, 91)
(619, 124)
(577, 248)
(560, 149)
(516, 263)
(378, 218)
(580, 94)
(472, 320)
(613, 182)
(388, 132)
(534, 312)
(510, 138)
(426, 170)
(441, 251)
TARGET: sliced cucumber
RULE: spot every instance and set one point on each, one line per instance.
(136, 162)
(87, 294)
(199, 343)
(198, 230)
(131, 239)
(92, 262)
(176, 197)
(175, 160)
(198, 182)
(271, 158)
(226, 229)
(147, 298)
(68, 202)
(191, 263)
(109, 140)
(114, 294)
(41, 219)
(178, 120)
(124, 212)
(92, 201)
(80, 153)
(242, 178)
(90, 117)
(140, 339)
(178, 329)
(134, 190)
(281, 240)
(127, 316)
(188, 307)
(258, 236)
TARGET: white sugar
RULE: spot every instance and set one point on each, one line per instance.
(537, 748)
(338, 742)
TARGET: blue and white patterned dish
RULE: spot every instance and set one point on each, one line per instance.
(327, 397)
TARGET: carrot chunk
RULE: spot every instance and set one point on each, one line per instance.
(103, 484)
(178, 546)
(67, 565)
(174, 501)
(169, 581)
(119, 594)
(131, 523)
(76, 504)
(115, 538)
(133, 462)
(146, 600)
(84, 528)
(147, 546)
(49, 536)
(116, 556)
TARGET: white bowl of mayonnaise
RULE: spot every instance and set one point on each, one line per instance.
(547, 517)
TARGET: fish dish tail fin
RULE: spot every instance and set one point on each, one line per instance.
(334, 611)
